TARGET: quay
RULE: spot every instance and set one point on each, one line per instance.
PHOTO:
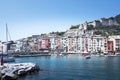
(30, 54)
(15, 70)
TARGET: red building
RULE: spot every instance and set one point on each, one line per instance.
(43, 44)
(110, 46)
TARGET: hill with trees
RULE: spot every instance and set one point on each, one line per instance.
(99, 30)
(74, 27)
(107, 30)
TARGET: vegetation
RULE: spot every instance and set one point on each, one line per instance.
(111, 18)
(90, 27)
(58, 33)
(74, 27)
(100, 30)
(105, 30)
(117, 18)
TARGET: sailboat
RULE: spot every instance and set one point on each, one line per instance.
(7, 58)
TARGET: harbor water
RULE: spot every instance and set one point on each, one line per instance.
(73, 67)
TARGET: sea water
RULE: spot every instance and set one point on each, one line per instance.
(73, 67)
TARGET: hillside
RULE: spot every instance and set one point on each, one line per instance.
(106, 30)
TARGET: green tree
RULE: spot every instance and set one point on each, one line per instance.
(98, 32)
(90, 27)
(58, 33)
(74, 27)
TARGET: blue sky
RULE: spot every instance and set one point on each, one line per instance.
(32, 17)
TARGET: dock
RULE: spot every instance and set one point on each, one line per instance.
(30, 54)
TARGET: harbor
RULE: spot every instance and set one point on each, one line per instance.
(59, 40)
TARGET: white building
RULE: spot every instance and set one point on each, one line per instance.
(64, 43)
(3, 47)
(100, 44)
(19, 45)
(83, 26)
(95, 23)
(53, 41)
(104, 21)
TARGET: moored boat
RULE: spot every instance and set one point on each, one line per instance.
(87, 57)
(9, 59)
(5, 57)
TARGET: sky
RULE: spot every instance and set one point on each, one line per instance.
(33, 17)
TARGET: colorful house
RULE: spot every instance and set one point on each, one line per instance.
(110, 46)
(44, 43)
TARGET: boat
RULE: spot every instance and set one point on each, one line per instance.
(5, 57)
(9, 59)
(87, 57)
(60, 54)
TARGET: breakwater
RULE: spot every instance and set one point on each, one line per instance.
(13, 71)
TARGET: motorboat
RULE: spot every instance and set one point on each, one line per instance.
(87, 57)
(8, 59)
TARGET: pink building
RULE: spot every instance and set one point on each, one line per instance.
(39, 44)
(110, 46)
(44, 44)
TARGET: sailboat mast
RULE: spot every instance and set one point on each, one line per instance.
(6, 33)
(6, 38)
